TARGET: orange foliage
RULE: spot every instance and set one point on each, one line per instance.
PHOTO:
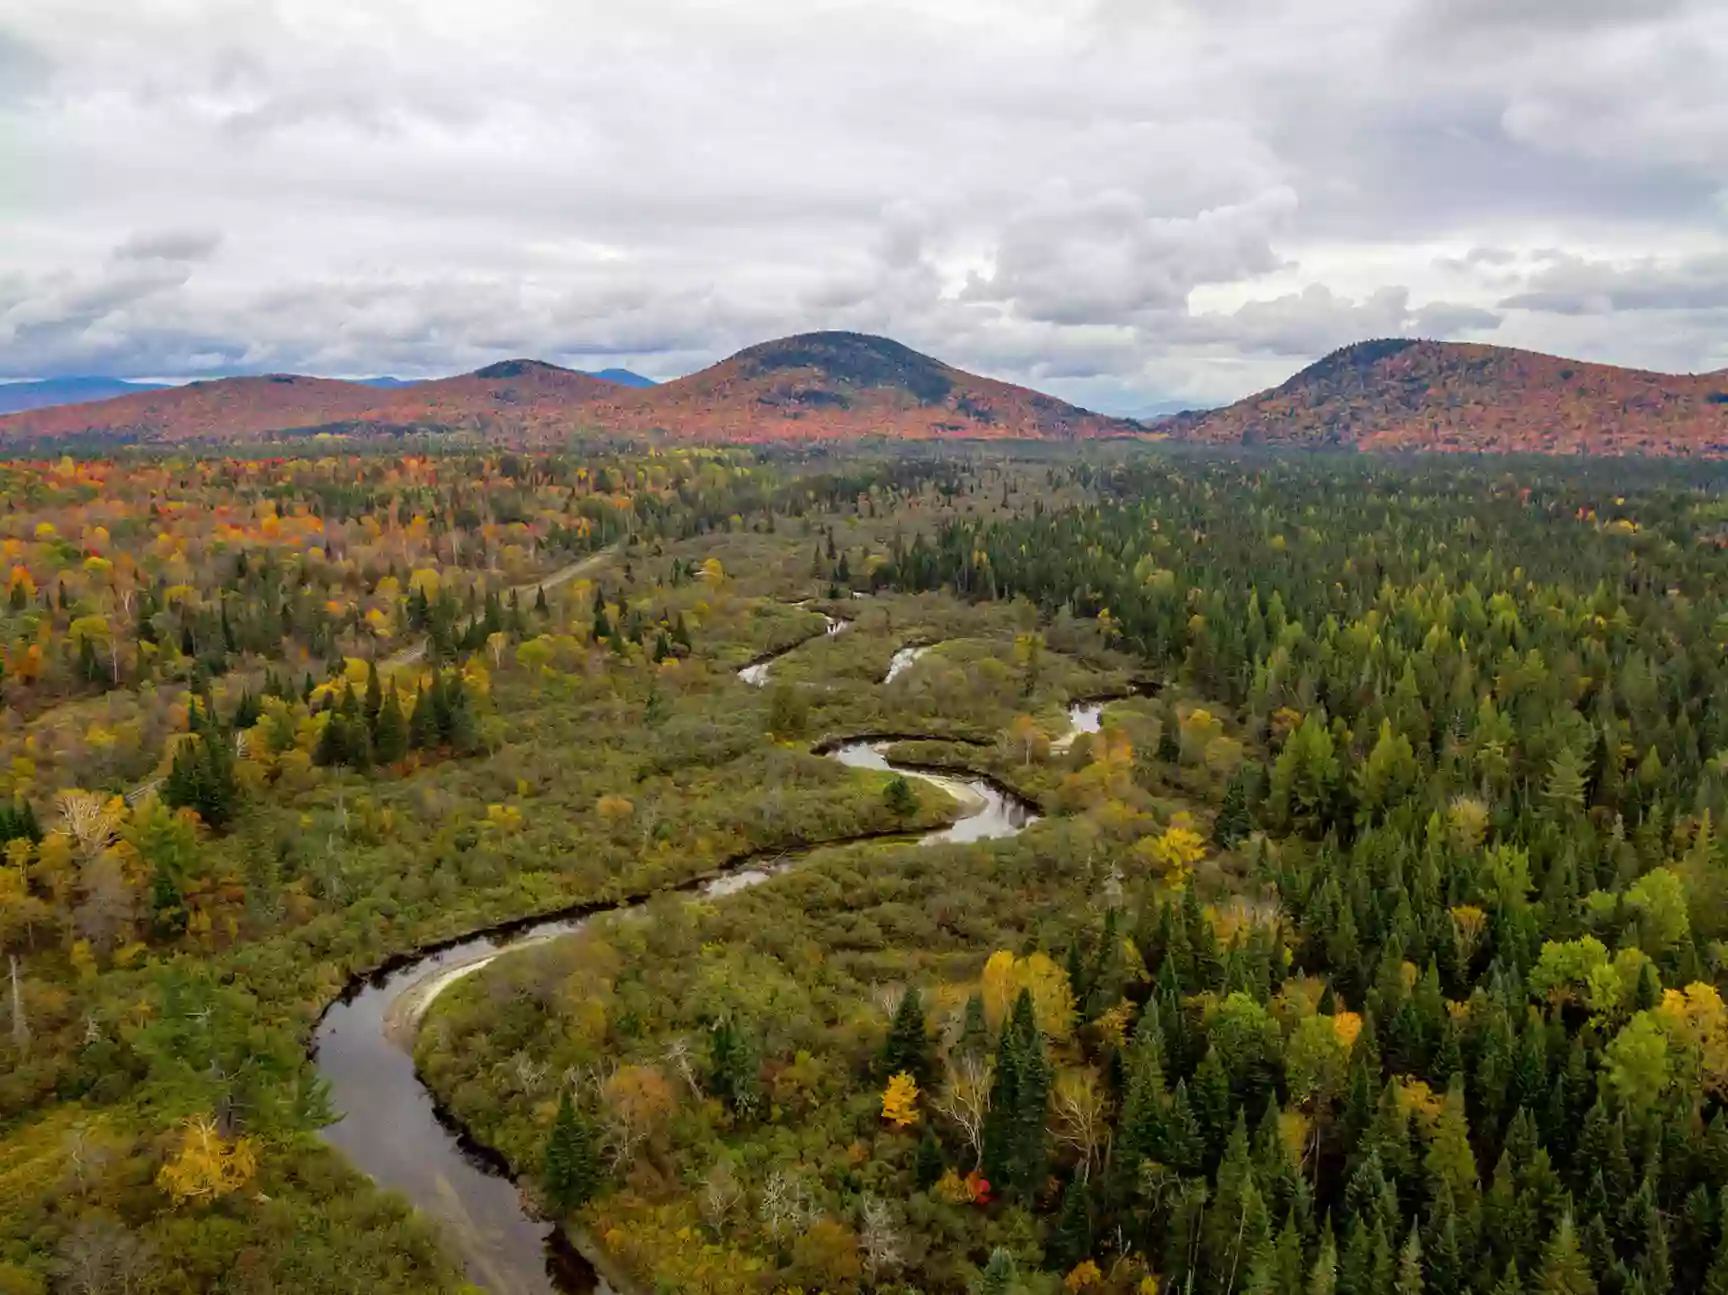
(1471, 397)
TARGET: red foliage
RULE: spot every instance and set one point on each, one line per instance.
(820, 386)
(1465, 397)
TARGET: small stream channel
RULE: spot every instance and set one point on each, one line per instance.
(393, 1131)
(756, 673)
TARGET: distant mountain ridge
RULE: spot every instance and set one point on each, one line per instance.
(812, 386)
(1386, 394)
(1404, 394)
(43, 392)
(623, 377)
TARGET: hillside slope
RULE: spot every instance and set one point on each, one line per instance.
(515, 398)
(1395, 394)
(228, 410)
(817, 385)
(847, 385)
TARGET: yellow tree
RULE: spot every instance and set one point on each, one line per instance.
(207, 1165)
(1029, 656)
(1697, 1021)
(614, 811)
(1198, 727)
(1052, 996)
(1469, 924)
(1174, 852)
(1467, 820)
(900, 1101)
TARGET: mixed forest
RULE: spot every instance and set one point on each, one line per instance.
(1372, 944)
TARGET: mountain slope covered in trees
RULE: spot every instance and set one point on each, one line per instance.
(1398, 394)
(814, 386)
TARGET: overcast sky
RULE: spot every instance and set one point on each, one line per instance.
(1122, 201)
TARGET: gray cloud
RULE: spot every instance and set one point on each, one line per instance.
(1316, 320)
(170, 245)
(1127, 202)
(1571, 285)
(1102, 259)
(1456, 17)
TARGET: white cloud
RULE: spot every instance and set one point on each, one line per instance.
(1126, 201)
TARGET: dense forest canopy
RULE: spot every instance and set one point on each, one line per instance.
(1372, 943)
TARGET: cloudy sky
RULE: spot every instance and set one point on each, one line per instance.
(1123, 201)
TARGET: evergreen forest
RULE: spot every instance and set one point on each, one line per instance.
(976, 870)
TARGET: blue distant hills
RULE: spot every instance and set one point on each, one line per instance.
(624, 378)
(15, 397)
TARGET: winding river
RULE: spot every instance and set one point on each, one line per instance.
(393, 1131)
(756, 673)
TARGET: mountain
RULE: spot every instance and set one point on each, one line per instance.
(846, 385)
(222, 409)
(817, 385)
(1161, 409)
(520, 397)
(1398, 394)
(518, 400)
(623, 377)
(1390, 394)
(16, 396)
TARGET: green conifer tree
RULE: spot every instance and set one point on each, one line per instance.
(974, 1032)
(1410, 1280)
(1564, 1270)
(907, 1047)
(1233, 823)
(390, 733)
(899, 798)
(999, 1276)
(1015, 1133)
(734, 1068)
(1071, 1235)
(927, 1169)
(374, 699)
(572, 1165)
(1323, 1276)
(332, 747)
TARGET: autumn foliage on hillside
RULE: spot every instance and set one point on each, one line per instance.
(847, 385)
(524, 398)
(1394, 394)
(122, 582)
(815, 386)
